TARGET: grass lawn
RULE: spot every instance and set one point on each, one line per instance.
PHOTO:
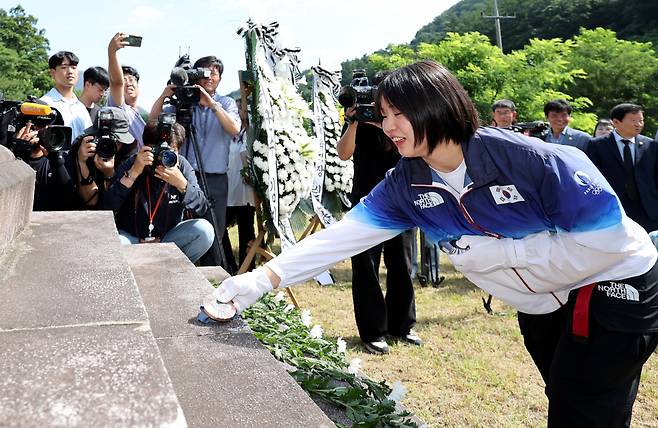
(473, 370)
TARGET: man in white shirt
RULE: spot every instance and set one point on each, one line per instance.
(64, 71)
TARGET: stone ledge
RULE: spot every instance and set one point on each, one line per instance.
(16, 196)
(66, 268)
(84, 376)
(223, 376)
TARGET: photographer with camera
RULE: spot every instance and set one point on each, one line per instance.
(95, 154)
(124, 88)
(153, 189)
(213, 123)
(374, 154)
(32, 130)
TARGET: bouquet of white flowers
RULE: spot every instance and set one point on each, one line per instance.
(282, 153)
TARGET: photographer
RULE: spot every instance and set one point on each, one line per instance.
(215, 121)
(94, 155)
(536, 225)
(153, 189)
(38, 141)
(376, 315)
(54, 189)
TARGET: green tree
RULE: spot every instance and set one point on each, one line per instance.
(23, 55)
(538, 74)
(530, 77)
(616, 71)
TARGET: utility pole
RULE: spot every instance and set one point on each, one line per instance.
(497, 17)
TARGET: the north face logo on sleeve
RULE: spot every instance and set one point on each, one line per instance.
(620, 290)
(506, 194)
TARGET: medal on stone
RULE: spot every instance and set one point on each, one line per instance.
(151, 227)
(217, 310)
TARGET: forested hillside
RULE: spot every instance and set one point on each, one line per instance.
(630, 19)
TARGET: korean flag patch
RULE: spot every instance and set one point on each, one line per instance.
(506, 194)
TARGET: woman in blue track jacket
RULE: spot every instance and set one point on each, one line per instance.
(534, 224)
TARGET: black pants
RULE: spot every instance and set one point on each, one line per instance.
(592, 383)
(244, 217)
(218, 189)
(375, 314)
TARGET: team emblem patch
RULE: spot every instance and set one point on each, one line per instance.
(506, 194)
(585, 181)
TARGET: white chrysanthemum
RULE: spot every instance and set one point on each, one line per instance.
(341, 345)
(279, 297)
(316, 332)
(355, 366)
(288, 308)
(306, 317)
(291, 141)
(398, 391)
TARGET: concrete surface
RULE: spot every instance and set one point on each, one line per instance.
(16, 196)
(67, 269)
(222, 375)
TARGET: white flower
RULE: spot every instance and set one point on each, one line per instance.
(283, 327)
(398, 391)
(355, 366)
(316, 332)
(279, 296)
(306, 317)
(341, 345)
(282, 174)
(288, 308)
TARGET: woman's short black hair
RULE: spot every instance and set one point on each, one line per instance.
(432, 99)
(151, 135)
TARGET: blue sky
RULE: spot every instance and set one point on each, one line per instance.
(329, 31)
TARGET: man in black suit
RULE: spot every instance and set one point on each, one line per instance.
(628, 161)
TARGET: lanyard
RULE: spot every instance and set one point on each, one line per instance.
(151, 213)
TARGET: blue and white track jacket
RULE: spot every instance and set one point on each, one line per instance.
(534, 221)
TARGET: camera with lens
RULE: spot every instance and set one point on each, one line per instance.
(163, 154)
(536, 128)
(185, 77)
(361, 94)
(105, 140)
(15, 115)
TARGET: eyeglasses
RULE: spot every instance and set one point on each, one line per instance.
(102, 88)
